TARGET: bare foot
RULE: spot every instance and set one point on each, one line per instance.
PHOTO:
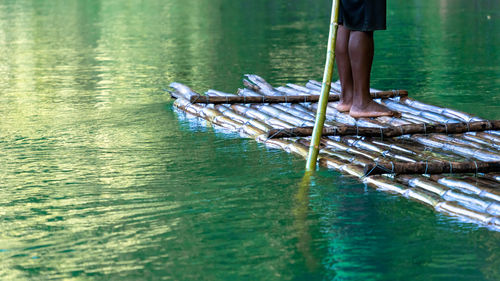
(344, 106)
(372, 109)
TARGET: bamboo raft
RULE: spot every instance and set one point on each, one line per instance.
(443, 158)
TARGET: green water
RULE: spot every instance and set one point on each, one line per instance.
(102, 180)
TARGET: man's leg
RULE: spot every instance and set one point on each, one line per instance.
(344, 69)
(361, 50)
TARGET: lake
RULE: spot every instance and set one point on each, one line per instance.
(101, 179)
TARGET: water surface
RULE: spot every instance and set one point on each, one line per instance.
(101, 179)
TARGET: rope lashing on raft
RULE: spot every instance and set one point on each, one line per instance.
(489, 206)
(247, 123)
(335, 131)
(401, 129)
(377, 165)
(197, 97)
(289, 134)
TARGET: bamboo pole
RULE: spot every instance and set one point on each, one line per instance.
(283, 99)
(390, 132)
(325, 89)
(434, 167)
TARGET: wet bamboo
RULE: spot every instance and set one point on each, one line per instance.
(459, 184)
(390, 132)
(411, 149)
(459, 141)
(444, 114)
(492, 138)
(440, 110)
(342, 164)
(261, 83)
(221, 117)
(281, 99)
(356, 143)
(443, 149)
(291, 113)
(481, 140)
(480, 212)
(217, 117)
(433, 194)
(274, 110)
(479, 201)
(358, 157)
(394, 105)
(325, 90)
(433, 167)
(377, 153)
(363, 147)
(457, 149)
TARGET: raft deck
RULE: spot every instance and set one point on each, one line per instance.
(472, 197)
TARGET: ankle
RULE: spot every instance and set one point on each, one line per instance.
(345, 101)
(362, 103)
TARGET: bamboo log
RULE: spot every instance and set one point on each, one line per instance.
(258, 84)
(435, 167)
(444, 113)
(440, 110)
(283, 99)
(390, 132)
(181, 91)
(457, 149)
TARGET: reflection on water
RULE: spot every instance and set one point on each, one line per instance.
(101, 179)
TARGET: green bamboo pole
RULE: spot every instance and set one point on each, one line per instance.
(325, 90)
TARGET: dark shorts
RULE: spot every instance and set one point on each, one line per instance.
(363, 15)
